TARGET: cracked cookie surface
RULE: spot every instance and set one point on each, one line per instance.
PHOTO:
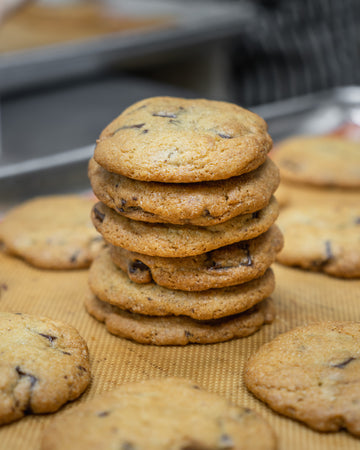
(112, 285)
(312, 374)
(226, 266)
(324, 238)
(177, 140)
(43, 365)
(202, 204)
(179, 330)
(319, 160)
(159, 414)
(158, 239)
(52, 232)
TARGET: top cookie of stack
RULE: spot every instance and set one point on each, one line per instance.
(178, 179)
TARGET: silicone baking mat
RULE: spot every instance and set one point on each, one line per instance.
(300, 297)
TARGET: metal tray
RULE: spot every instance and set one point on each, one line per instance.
(62, 172)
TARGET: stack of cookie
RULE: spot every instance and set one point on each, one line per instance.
(187, 208)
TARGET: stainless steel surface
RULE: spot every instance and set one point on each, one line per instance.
(65, 170)
(196, 23)
(318, 113)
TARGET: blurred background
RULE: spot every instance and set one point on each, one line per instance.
(68, 67)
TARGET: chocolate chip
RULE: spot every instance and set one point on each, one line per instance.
(65, 353)
(255, 215)
(188, 334)
(127, 446)
(47, 336)
(245, 246)
(344, 363)
(127, 127)
(103, 413)
(225, 136)
(82, 368)
(22, 374)
(74, 256)
(357, 220)
(99, 215)
(226, 441)
(165, 114)
(144, 131)
(329, 253)
(137, 265)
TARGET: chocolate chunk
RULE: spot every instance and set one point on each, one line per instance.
(103, 413)
(165, 114)
(226, 441)
(47, 336)
(22, 374)
(329, 253)
(137, 265)
(127, 446)
(127, 127)
(245, 246)
(99, 215)
(344, 363)
(225, 136)
(74, 256)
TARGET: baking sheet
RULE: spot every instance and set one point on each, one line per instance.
(300, 297)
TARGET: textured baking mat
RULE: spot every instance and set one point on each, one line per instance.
(300, 297)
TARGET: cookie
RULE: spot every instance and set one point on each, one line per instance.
(319, 160)
(157, 239)
(44, 364)
(226, 266)
(175, 140)
(167, 413)
(322, 237)
(201, 204)
(112, 285)
(52, 232)
(311, 374)
(179, 330)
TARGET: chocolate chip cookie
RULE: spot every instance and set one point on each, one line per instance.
(202, 204)
(112, 285)
(167, 240)
(311, 374)
(319, 160)
(52, 232)
(179, 330)
(175, 140)
(44, 364)
(159, 414)
(322, 237)
(226, 266)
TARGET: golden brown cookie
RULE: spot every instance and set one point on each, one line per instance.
(112, 285)
(179, 330)
(323, 237)
(43, 364)
(159, 414)
(319, 160)
(176, 140)
(202, 204)
(157, 239)
(311, 374)
(226, 266)
(52, 232)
